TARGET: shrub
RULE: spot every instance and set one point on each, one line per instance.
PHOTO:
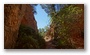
(28, 39)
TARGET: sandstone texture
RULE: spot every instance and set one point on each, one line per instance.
(14, 16)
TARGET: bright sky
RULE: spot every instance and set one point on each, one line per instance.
(41, 17)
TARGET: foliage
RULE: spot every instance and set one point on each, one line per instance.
(28, 38)
(62, 43)
(66, 20)
(52, 8)
(34, 8)
(42, 31)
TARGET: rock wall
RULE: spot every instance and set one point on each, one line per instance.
(77, 35)
(14, 15)
(50, 34)
(29, 19)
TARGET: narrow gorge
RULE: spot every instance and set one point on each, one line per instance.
(22, 30)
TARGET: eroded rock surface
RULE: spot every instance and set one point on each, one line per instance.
(14, 15)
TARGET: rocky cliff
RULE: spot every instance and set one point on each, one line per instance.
(28, 18)
(14, 16)
(76, 33)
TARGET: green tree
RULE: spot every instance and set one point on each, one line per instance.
(42, 31)
(66, 19)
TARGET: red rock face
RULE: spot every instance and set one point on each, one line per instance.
(77, 37)
(29, 19)
(14, 15)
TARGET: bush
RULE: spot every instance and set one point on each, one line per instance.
(63, 43)
(29, 39)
